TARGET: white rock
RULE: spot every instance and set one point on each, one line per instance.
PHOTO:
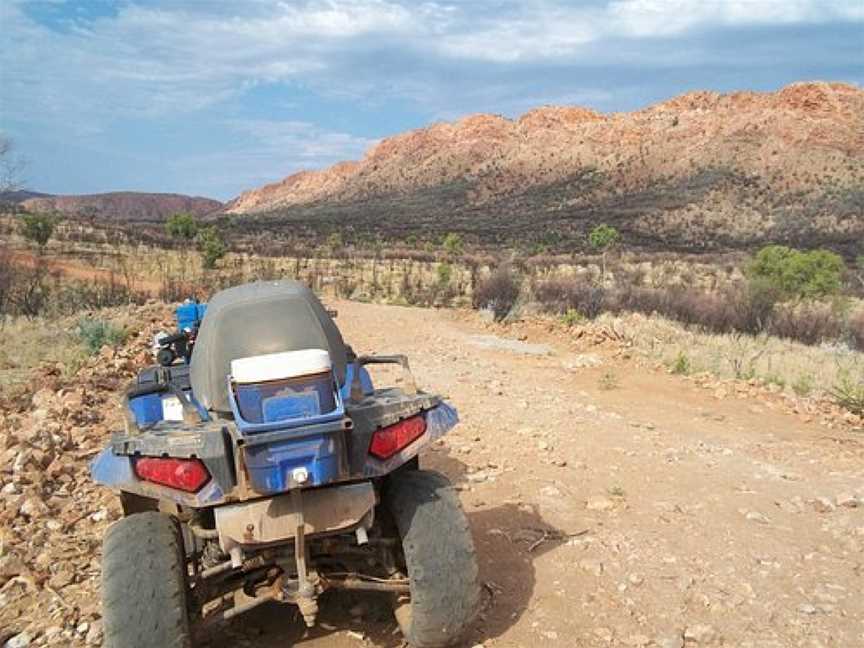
(599, 503)
(823, 505)
(591, 565)
(18, 641)
(33, 507)
(94, 635)
(100, 516)
(700, 633)
(756, 516)
(807, 608)
(671, 641)
(9, 489)
(848, 500)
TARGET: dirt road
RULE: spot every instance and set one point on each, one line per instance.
(613, 505)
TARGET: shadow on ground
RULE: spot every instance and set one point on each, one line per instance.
(508, 538)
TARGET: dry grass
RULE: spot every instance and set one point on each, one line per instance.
(37, 341)
(52, 340)
(797, 368)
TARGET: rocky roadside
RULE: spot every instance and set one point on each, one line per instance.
(616, 343)
(51, 515)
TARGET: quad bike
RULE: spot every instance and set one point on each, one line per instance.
(269, 468)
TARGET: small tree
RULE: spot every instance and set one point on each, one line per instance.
(798, 274)
(38, 228)
(335, 242)
(603, 238)
(10, 166)
(499, 292)
(212, 247)
(182, 225)
(452, 244)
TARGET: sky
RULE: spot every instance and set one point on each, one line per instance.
(213, 97)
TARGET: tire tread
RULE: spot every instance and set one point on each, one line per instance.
(144, 584)
(440, 556)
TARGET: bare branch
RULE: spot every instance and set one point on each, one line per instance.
(11, 166)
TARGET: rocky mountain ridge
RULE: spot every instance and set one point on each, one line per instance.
(700, 170)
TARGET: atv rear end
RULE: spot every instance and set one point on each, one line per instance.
(287, 475)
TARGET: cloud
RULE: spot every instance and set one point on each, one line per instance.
(301, 141)
(539, 31)
(271, 150)
(668, 17)
(155, 59)
(90, 71)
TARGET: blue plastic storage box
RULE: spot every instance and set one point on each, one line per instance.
(271, 466)
(282, 400)
(189, 315)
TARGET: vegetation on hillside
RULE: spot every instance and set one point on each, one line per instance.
(38, 228)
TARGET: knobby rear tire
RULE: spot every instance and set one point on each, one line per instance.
(144, 601)
(439, 556)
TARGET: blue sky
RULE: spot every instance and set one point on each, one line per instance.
(212, 97)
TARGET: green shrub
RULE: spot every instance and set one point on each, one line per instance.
(211, 246)
(452, 244)
(96, 333)
(799, 274)
(181, 225)
(803, 385)
(603, 238)
(681, 365)
(572, 317)
(445, 273)
(334, 241)
(848, 393)
(38, 228)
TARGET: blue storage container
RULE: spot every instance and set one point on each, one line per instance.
(189, 315)
(147, 408)
(272, 466)
(291, 398)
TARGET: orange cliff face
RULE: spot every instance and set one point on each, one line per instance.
(796, 139)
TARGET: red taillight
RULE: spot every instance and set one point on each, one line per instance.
(389, 440)
(183, 474)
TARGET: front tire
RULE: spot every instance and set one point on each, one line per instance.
(144, 603)
(439, 556)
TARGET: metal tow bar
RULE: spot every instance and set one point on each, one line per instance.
(306, 594)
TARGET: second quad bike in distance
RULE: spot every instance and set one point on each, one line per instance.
(270, 468)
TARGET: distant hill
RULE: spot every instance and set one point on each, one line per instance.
(18, 196)
(698, 172)
(116, 206)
